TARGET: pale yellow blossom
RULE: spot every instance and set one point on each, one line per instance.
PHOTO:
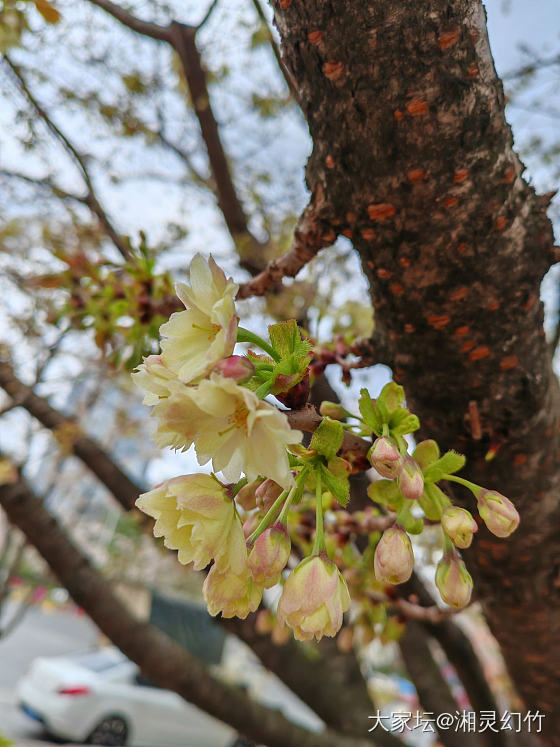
(195, 339)
(229, 425)
(195, 516)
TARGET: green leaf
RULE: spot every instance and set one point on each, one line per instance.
(390, 399)
(386, 492)
(405, 423)
(335, 479)
(327, 439)
(426, 453)
(449, 463)
(370, 412)
(285, 337)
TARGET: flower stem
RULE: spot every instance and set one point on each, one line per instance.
(268, 518)
(473, 487)
(319, 544)
(245, 335)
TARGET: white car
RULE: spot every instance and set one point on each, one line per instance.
(99, 698)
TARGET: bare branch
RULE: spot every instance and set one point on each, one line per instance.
(153, 30)
(310, 236)
(124, 489)
(208, 14)
(90, 199)
(276, 50)
(182, 38)
(532, 67)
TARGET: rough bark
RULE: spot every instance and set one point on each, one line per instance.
(413, 152)
(164, 661)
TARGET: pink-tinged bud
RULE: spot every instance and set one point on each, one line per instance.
(235, 367)
(246, 497)
(293, 396)
(385, 458)
(459, 526)
(314, 599)
(498, 513)
(269, 555)
(332, 410)
(453, 580)
(250, 524)
(394, 558)
(411, 479)
(266, 493)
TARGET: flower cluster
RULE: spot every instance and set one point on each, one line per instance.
(277, 505)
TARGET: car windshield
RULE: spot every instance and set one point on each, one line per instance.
(99, 661)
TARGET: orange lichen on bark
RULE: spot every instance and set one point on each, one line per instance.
(405, 262)
(315, 37)
(472, 70)
(448, 38)
(450, 202)
(501, 223)
(284, 4)
(396, 289)
(460, 175)
(384, 274)
(462, 248)
(398, 115)
(439, 321)
(348, 232)
(510, 361)
(493, 305)
(509, 175)
(416, 175)
(329, 162)
(368, 234)
(409, 328)
(481, 352)
(381, 211)
(529, 303)
(459, 293)
(351, 217)
(462, 331)
(467, 345)
(417, 107)
(333, 70)
(519, 460)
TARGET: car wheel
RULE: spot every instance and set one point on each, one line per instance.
(112, 731)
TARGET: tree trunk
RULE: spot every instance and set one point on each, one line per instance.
(414, 160)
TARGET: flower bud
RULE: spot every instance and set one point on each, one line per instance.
(453, 580)
(251, 523)
(266, 493)
(394, 559)
(411, 479)
(235, 367)
(314, 599)
(498, 513)
(246, 497)
(385, 458)
(269, 555)
(332, 410)
(459, 526)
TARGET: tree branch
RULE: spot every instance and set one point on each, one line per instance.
(85, 448)
(159, 658)
(90, 199)
(310, 236)
(182, 38)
